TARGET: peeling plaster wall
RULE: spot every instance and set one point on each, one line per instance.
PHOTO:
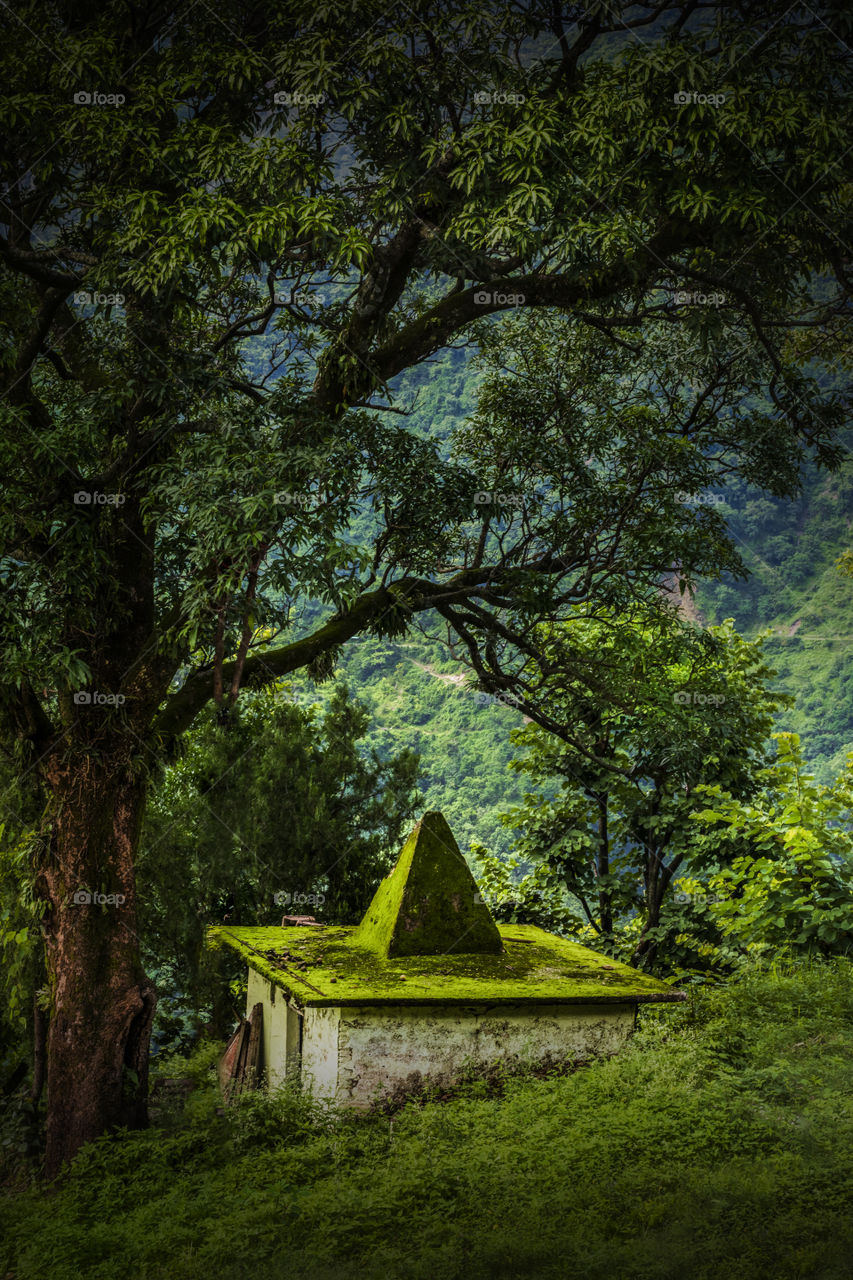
(320, 1040)
(380, 1047)
(280, 1036)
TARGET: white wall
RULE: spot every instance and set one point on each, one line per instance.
(355, 1053)
(320, 1051)
(280, 1037)
(382, 1046)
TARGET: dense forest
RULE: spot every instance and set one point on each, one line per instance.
(426, 601)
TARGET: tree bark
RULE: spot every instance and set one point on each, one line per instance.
(102, 1003)
(654, 875)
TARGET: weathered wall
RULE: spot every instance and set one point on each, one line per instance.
(320, 1051)
(356, 1053)
(380, 1047)
(280, 1038)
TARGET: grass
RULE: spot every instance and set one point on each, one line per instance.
(719, 1145)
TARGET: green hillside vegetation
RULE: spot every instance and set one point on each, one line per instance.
(718, 1145)
(798, 591)
(419, 698)
(418, 695)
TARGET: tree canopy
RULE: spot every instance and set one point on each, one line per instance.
(640, 716)
(361, 187)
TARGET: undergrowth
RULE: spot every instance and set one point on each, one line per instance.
(718, 1145)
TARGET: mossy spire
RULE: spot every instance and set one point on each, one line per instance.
(429, 904)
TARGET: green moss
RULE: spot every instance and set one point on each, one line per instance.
(426, 938)
(533, 965)
(429, 904)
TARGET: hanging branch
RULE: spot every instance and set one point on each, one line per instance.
(245, 638)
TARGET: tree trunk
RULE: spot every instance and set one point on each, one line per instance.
(647, 947)
(102, 1003)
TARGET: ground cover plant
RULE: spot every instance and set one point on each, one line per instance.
(719, 1145)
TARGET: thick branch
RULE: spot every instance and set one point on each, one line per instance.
(183, 706)
(32, 265)
(455, 312)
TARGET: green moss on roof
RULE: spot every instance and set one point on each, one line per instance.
(429, 904)
(427, 938)
(331, 966)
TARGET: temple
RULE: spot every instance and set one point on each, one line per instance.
(425, 987)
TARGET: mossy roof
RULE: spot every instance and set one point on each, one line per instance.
(330, 966)
(429, 905)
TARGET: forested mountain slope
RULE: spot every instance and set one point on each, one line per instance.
(417, 693)
(797, 590)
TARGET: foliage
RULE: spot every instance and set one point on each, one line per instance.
(206, 203)
(462, 736)
(717, 1145)
(607, 450)
(532, 898)
(793, 889)
(21, 959)
(795, 551)
(281, 811)
(418, 698)
(635, 715)
(20, 912)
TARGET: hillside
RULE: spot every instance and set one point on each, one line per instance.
(797, 591)
(419, 698)
(416, 691)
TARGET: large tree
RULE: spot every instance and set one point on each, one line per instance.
(359, 185)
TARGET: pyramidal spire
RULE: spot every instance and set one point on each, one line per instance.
(429, 904)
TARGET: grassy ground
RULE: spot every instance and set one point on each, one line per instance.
(719, 1145)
